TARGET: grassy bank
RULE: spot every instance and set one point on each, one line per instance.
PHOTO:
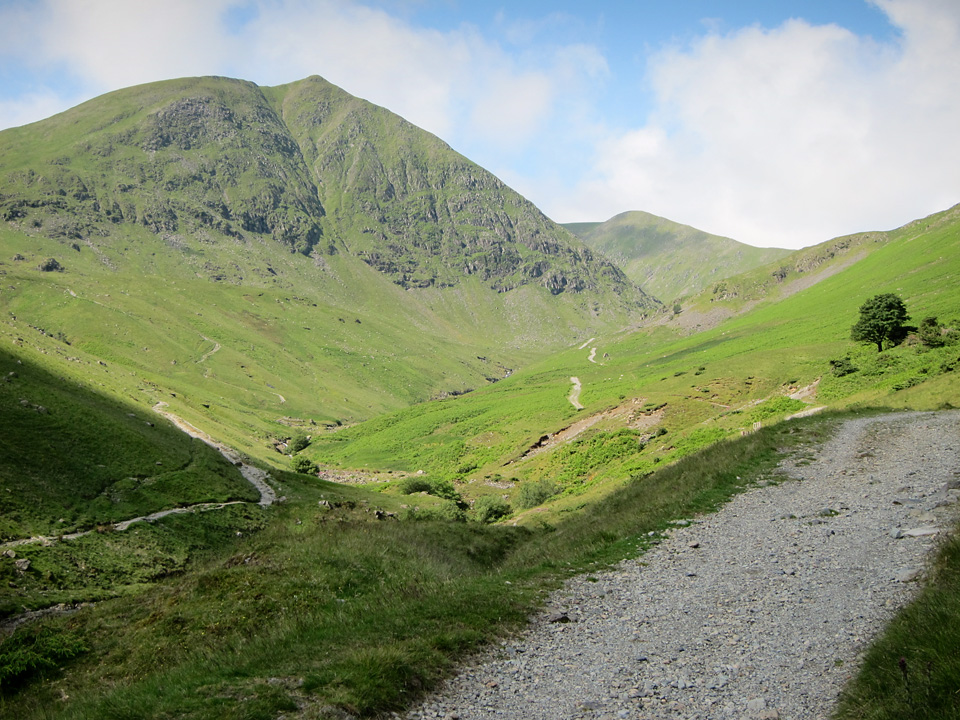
(913, 671)
(327, 607)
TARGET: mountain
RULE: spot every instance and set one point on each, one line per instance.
(768, 285)
(267, 263)
(268, 257)
(306, 165)
(753, 348)
(668, 259)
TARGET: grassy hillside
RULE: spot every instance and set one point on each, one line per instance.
(73, 462)
(670, 260)
(651, 396)
(327, 609)
(319, 606)
(307, 348)
(347, 279)
(798, 271)
(273, 260)
(71, 459)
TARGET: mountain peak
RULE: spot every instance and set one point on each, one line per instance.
(305, 164)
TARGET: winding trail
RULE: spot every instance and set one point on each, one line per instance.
(216, 348)
(574, 396)
(759, 611)
(592, 356)
(254, 475)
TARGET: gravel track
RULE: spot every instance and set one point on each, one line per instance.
(760, 610)
(574, 396)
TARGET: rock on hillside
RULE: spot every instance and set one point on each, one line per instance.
(306, 165)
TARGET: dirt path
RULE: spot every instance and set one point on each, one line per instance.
(574, 396)
(254, 475)
(216, 348)
(760, 610)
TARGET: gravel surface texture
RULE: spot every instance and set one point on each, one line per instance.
(760, 610)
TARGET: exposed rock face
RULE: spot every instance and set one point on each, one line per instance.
(305, 165)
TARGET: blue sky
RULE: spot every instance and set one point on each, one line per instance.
(777, 123)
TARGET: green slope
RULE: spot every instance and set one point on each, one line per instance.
(670, 260)
(71, 459)
(793, 273)
(259, 300)
(656, 394)
(268, 258)
(326, 610)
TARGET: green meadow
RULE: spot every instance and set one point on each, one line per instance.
(502, 409)
(316, 604)
(677, 394)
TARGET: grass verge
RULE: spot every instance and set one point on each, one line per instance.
(913, 671)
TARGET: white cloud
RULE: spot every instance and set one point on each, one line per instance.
(117, 43)
(790, 136)
(31, 107)
(456, 83)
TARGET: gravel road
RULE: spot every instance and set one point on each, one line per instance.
(760, 610)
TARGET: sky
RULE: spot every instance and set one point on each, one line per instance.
(777, 123)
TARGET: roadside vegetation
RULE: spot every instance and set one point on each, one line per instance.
(913, 671)
(327, 606)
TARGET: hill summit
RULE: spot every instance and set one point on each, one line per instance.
(670, 260)
(306, 165)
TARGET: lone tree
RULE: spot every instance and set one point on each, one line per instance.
(882, 319)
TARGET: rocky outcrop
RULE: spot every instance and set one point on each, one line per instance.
(307, 166)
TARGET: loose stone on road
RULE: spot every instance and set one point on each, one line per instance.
(760, 610)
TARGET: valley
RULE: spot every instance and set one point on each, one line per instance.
(301, 408)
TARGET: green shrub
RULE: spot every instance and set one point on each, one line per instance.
(415, 484)
(34, 651)
(907, 383)
(930, 332)
(297, 443)
(438, 488)
(490, 508)
(447, 512)
(531, 494)
(304, 465)
(444, 489)
(842, 366)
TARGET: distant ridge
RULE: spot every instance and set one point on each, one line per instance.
(668, 259)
